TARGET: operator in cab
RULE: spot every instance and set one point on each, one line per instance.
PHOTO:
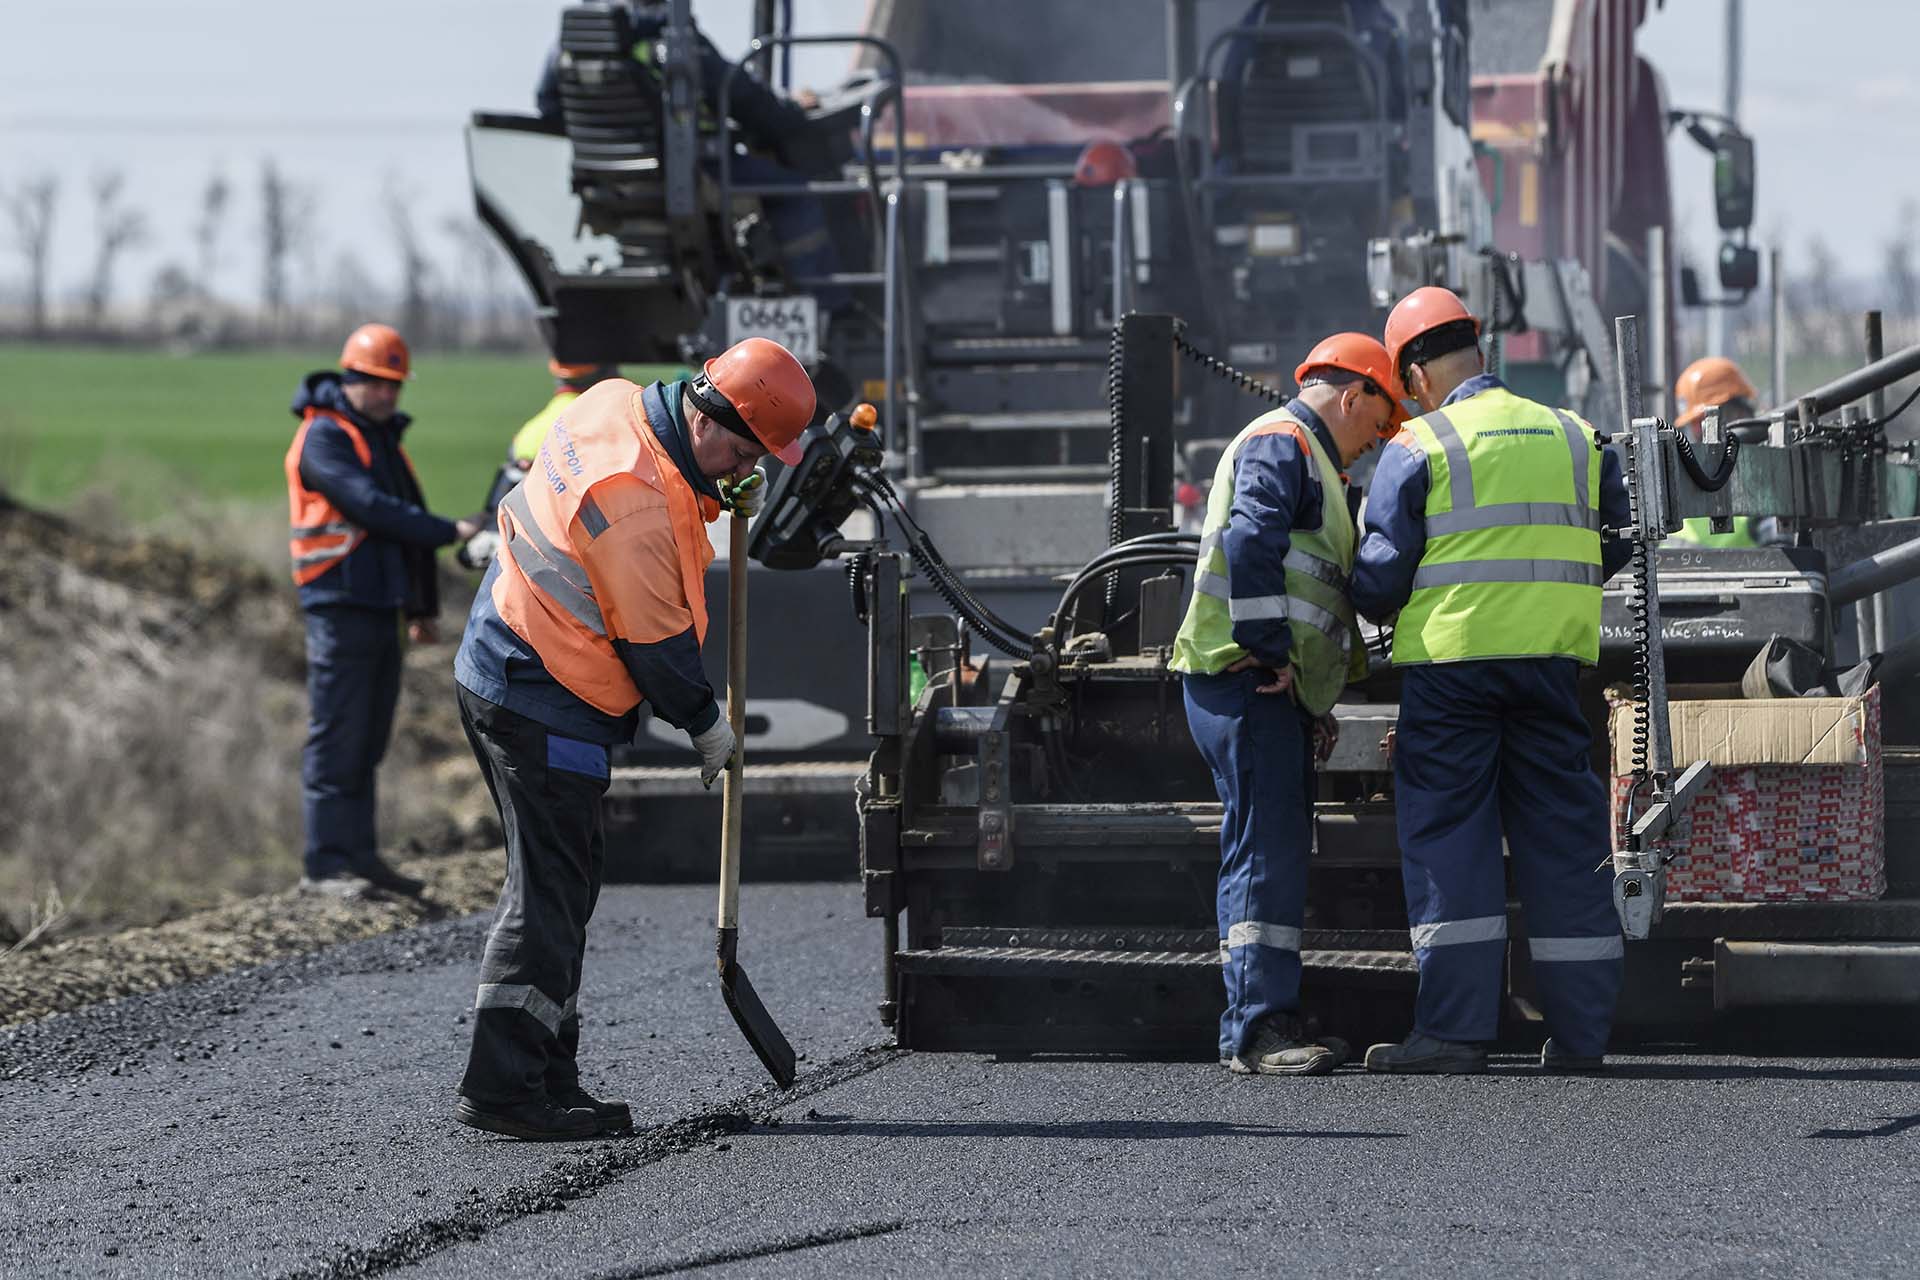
(1267, 645)
(1481, 544)
(595, 605)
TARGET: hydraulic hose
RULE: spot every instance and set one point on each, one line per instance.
(1140, 560)
(1691, 461)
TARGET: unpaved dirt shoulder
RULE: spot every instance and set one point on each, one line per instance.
(72, 975)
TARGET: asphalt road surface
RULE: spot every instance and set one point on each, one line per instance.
(296, 1120)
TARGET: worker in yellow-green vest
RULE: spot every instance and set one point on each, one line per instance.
(1482, 533)
(1268, 643)
(1708, 383)
(569, 380)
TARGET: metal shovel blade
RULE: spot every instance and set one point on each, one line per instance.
(755, 1023)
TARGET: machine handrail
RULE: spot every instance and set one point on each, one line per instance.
(766, 44)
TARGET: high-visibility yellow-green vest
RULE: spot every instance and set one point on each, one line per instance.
(1698, 531)
(1325, 651)
(526, 441)
(1512, 561)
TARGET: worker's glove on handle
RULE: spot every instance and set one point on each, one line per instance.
(716, 745)
(479, 550)
(746, 497)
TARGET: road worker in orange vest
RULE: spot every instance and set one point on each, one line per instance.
(596, 604)
(362, 541)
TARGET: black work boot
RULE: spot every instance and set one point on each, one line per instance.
(613, 1113)
(381, 876)
(1281, 1047)
(539, 1120)
(1422, 1055)
(1557, 1061)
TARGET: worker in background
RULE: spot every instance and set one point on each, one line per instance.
(1482, 532)
(596, 603)
(1268, 643)
(1716, 382)
(363, 543)
(569, 380)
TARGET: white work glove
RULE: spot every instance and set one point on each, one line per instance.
(716, 745)
(747, 497)
(479, 550)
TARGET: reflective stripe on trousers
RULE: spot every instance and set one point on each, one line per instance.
(504, 995)
(1572, 950)
(1453, 933)
(1248, 933)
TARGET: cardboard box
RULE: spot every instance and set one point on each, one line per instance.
(1796, 809)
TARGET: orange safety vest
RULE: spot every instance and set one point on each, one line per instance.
(321, 536)
(550, 520)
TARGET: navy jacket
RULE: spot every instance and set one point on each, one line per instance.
(393, 567)
(495, 663)
(1276, 489)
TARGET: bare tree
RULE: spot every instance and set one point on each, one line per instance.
(286, 225)
(416, 269)
(31, 210)
(116, 229)
(170, 302)
(214, 199)
(1814, 300)
(1899, 269)
(352, 289)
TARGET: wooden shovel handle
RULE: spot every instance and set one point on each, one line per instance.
(733, 791)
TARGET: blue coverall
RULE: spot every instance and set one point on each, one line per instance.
(1258, 746)
(1486, 749)
(355, 613)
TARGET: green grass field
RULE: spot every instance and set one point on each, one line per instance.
(148, 427)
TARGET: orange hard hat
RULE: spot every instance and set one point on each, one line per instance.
(1710, 381)
(1356, 353)
(1421, 312)
(378, 351)
(768, 389)
(1104, 163)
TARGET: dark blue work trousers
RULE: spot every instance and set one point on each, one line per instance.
(1493, 748)
(1259, 747)
(547, 787)
(353, 684)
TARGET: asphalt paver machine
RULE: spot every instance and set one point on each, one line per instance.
(1039, 836)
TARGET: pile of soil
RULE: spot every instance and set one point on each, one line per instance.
(68, 975)
(152, 710)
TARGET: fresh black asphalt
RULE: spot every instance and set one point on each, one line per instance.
(295, 1119)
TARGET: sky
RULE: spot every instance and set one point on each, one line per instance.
(355, 99)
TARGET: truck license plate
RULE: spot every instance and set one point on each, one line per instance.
(793, 322)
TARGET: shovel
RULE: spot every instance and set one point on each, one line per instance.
(756, 1024)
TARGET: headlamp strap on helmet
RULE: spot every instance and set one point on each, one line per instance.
(707, 399)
